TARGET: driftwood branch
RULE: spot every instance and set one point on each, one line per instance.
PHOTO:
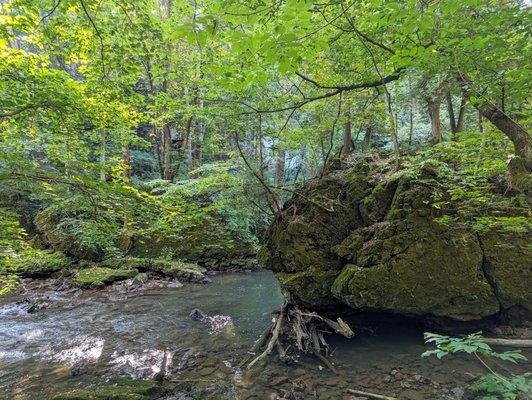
(295, 331)
(521, 343)
(370, 395)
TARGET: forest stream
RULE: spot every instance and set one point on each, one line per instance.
(84, 338)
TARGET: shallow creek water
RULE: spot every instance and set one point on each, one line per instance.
(82, 339)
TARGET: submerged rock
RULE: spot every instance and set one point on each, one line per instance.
(117, 389)
(373, 238)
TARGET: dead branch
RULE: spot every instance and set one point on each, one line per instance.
(370, 395)
(522, 343)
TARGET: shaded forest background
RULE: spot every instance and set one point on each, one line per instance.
(178, 128)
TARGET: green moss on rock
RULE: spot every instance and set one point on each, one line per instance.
(100, 276)
(33, 262)
(508, 264)
(185, 272)
(141, 264)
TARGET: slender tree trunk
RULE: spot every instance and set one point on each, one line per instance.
(411, 112)
(366, 143)
(279, 167)
(103, 157)
(434, 113)
(450, 110)
(167, 152)
(461, 114)
(348, 145)
(126, 157)
(197, 141)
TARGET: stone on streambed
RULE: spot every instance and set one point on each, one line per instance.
(376, 239)
(116, 389)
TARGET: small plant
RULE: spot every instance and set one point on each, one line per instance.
(493, 386)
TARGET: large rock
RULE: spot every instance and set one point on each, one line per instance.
(371, 238)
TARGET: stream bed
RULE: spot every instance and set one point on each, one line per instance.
(84, 338)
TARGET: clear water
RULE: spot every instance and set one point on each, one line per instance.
(84, 338)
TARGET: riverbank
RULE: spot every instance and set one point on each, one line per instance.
(87, 338)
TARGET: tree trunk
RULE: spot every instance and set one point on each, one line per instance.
(411, 113)
(450, 110)
(348, 145)
(126, 157)
(103, 156)
(366, 143)
(461, 114)
(519, 136)
(520, 167)
(279, 167)
(167, 153)
(434, 113)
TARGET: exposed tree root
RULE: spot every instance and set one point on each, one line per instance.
(299, 331)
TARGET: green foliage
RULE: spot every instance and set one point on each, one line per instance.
(467, 171)
(510, 388)
(494, 385)
(470, 344)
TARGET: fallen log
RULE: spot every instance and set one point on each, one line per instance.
(371, 395)
(522, 343)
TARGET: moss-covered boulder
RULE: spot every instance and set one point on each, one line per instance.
(417, 268)
(407, 240)
(76, 236)
(117, 389)
(36, 263)
(100, 276)
(185, 272)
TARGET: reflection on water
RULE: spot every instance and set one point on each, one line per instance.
(83, 339)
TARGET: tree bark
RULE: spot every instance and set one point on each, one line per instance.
(126, 157)
(167, 153)
(279, 167)
(366, 143)
(433, 108)
(519, 136)
(461, 114)
(348, 145)
(103, 157)
(450, 110)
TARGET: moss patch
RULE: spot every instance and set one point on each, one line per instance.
(34, 263)
(99, 276)
(141, 264)
(424, 270)
(186, 272)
